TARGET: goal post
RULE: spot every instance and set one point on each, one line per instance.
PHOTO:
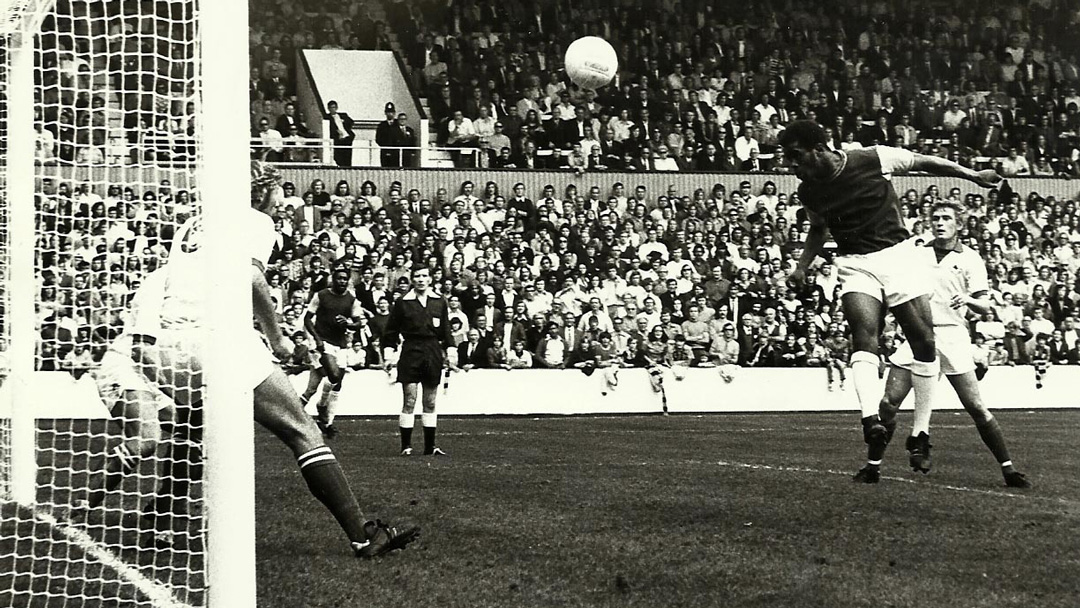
(20, 281)
(230, 489)
(120, 121)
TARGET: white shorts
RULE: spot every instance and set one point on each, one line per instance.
(117, 375)
(251, 359)
(892, 276)
(337, 352)
(954, 350)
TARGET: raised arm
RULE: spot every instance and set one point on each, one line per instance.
(987, 178)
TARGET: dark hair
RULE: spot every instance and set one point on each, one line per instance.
(804, 133)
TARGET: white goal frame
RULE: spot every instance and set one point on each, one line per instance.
(223, 170)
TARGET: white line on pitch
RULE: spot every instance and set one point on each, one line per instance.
(853, 428)
(768, 467)
(790, 469)
(158, 594)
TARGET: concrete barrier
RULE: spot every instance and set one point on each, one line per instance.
(566, 392)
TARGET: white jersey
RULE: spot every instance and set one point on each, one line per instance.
(185, 291)
(961, 272)
(143, 315)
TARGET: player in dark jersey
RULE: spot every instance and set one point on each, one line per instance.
(330, 316)
(421, 318)
(850, 195)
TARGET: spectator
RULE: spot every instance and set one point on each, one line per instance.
(341, 134)
(552, 351)
(519, 357)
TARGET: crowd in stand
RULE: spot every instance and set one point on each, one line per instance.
(708, 85)
(611, 273)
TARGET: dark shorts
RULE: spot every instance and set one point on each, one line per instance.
(421, 362)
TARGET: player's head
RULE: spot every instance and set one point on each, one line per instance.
(421, 278)
(806, 146)
(266, 190)
(340, 279)
(945, 217)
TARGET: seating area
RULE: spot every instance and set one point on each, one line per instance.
(974, 82)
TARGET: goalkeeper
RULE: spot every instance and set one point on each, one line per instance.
(175, 360)
(146, 416)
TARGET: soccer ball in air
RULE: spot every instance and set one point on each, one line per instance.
(591, 62)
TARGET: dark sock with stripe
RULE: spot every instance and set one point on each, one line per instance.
(327, 483)
(429, 439)
(406, 437)
(994, 439)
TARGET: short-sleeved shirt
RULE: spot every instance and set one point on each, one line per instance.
(326, 306)
(960, 272)
(859, 204)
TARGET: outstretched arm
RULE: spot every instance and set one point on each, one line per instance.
(987, 178)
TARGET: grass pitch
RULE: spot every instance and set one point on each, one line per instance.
(720, 510)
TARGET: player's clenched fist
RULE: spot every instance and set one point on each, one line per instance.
(988, 178)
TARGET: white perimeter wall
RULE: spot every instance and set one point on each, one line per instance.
(370, 393)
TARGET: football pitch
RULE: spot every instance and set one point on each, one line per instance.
(746, 510)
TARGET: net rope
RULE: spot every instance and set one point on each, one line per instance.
(116, 91)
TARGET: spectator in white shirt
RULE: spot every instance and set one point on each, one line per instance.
(460, 134)
(1014, 164)
(663, 162)
(953, 116)
(518, 357)
(746, 142)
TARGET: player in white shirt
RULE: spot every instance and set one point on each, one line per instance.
(143, 412)
(960, 285)
(175, 360)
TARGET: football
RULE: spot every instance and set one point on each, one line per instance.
(591, 62)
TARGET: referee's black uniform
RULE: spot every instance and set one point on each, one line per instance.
(425, 330)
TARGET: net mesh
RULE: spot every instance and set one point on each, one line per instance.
(116, 92)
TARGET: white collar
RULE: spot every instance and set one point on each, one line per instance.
(429, 294)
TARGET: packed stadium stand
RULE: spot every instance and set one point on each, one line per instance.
(701, 89)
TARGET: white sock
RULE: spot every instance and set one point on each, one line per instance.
(430, 420)
(924, 378)
(324, 394)
(330, 401)
(864, 374)
(406, 421)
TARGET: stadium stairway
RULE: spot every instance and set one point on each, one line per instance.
(431, 157)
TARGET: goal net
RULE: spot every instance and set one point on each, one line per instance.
(103, 161)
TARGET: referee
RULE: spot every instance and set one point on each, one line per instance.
(421, 318)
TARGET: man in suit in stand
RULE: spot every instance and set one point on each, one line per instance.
(472, 352)
(404, 137)
(341, 132)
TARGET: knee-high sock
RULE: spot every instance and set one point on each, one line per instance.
(994, 438)
(327, 483)
(119, 463)
(406, 422)
(430, 421)
(924, 378)
(325, 389)
(864, 368)
(330, 404)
